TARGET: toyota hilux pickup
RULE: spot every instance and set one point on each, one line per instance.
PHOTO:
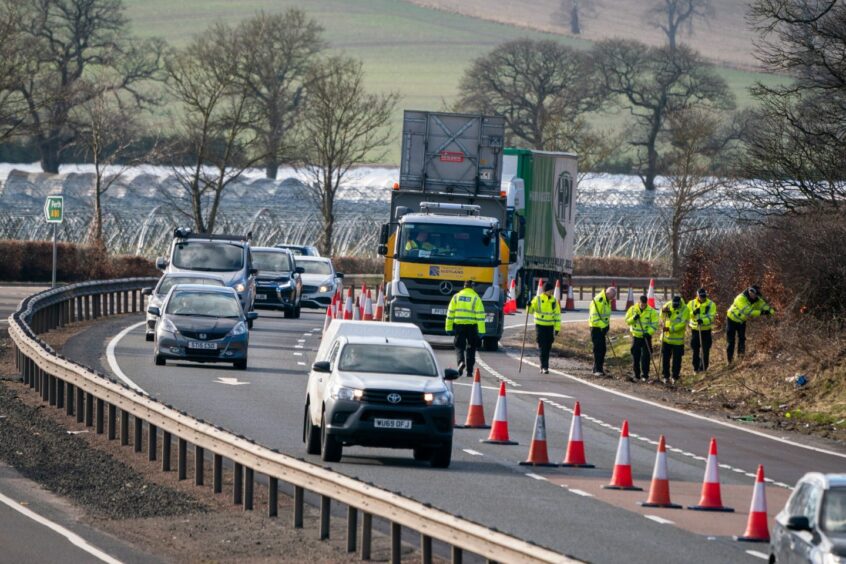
(378, 385)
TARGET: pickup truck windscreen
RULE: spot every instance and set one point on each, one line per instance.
(385, 359)
(208, 257)
(448, 244)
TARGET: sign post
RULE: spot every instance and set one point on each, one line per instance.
(54, 212)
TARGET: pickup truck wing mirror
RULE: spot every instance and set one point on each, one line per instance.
(161, 263)
(451, 374)
(798, 523)
(322, 366)
(153, 310)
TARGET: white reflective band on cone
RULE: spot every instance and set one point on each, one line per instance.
(712, 472)
(623, 457)
(660, 470)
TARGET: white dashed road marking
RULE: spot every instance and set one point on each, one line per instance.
(536, 477)
(757, 554)
(578, 492)
(660, 520)
(496, 374)
(472, 452)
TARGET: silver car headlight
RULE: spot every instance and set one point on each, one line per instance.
(169, 327)
(239, 329)
(438, 398)
(344, 393)
(401, 312)
(326, 287)
(239, 287)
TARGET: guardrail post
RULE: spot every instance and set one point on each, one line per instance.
(366, 534)
(124, 427)
(457, 555)
(112, 422)
(199, 461)
(182, 459)
(60, 394)
(299, 499)
(217, 474)
(80, 301)
(272, 496)
(396, 543)
(51, 389)
(60, 314)
(249, 481)
(96, 302)
(80, 405)
(126, 300)
(134, 301)
(45, 386)
(69, 407)
(238, 484)
(89, 410)
(425, 549)
(112, 303)
(352, 526)
(325, 514)
(152, 439)
(86, 302)
(166, 440)
(138, 438)
(101, 409)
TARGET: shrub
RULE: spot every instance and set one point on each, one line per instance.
(32, 261)
(359, 265)
(614, 266)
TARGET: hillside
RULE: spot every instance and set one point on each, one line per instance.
(725, 38)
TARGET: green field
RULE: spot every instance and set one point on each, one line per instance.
(419, 52)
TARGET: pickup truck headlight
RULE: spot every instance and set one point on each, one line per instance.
(239, 329)
(401, 312)
(240, 287)
(438, 398)
(344, 393)
(490, 317)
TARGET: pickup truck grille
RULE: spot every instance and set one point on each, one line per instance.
(381, 397)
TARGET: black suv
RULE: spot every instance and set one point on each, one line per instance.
(278, 283)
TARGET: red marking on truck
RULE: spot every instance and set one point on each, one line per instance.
(452, 157)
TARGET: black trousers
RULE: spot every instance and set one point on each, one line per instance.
(674, 353)
(597, 336)
(641, 349)
(735, 330)
(700, 363)
(466, 340)
(545, 336)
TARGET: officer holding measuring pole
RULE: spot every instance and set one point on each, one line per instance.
(600, 321)
(547, 312)
(702, 314)
(642, 320)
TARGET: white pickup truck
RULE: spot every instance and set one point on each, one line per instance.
(378, 384)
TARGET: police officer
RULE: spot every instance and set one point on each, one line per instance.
(547, 312)
(746, 305)
(702, 314)
(466, 317)
(599, 321)
(642, 320)
(674, 317)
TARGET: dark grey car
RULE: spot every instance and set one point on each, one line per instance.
(278, 283)
(202, 324)
(812, 525)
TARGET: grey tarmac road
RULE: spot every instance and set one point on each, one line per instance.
(484, 483)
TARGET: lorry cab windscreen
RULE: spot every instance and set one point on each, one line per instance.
(412, 361)
(450, 244)
(208, 257)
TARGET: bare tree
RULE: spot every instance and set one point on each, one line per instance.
(572, 13)
(215, 140)
(342, 125)
(275, 54)
(676, 16)
(652, 83)
(542, 88)
(797, 151)
(67, 40)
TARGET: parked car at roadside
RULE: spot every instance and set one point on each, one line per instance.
(319, 281)
(278, 282)
(812, 525)
(202, 323)
(166, 282)
(300, 250)
(378, 384)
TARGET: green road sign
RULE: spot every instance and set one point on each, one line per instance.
(54, 209)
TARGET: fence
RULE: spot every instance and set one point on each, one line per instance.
(108, 406)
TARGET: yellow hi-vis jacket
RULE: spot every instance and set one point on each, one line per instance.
(466, 308)
(646, 322)
(600, 311)
(547, 311)
(675, 323)
(707, 312)
(743, 308)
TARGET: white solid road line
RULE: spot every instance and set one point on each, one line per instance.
(112, 360)
(683, 412)
(72, 537)
(660, 520)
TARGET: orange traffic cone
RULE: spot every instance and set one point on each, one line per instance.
(476, 413)
(711, 500)
(756, 526)
(614, 301)
(659, 491)
(510, 306)
(575, 456)
(621, 479)
(379, 314)
(539, 291)
(650, 294)
(361, 298)
(630, 299)
(357, 309)
(328, 318)
(571, 301)
(368, 308)
(557, 292)
(348, 306)
(538, 454)
(499, 428)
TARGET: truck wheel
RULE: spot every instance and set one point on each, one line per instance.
(311, 434)
(422, 453)
(442, 456)
(490, 344)
(330, 448)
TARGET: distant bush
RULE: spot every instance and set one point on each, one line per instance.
(32, 261)
(615, 266)
(359, 265)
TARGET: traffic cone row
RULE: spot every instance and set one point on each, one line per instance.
(510, 306)
(650, 294)
(499, 428)
(557, 292)
(571, 300)
(380, 306)
(476, 412)
(629, 299)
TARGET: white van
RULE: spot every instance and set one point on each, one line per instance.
(378, 384)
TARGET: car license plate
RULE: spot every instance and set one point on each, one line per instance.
(202, 345)
(392, 423)
(260, 297)
(439, 311)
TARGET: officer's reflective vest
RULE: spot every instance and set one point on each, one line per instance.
(647, 322)
(547, 311)
(466, 308)
(600, 311)
(675, 323)
(707, 311)
(742, 309)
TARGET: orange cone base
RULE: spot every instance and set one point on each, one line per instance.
(527, 463)
(472, 426)
(491, 442)
(626, 488)
(720, 509)
(752, 539)
(566, 465)
(664, 505)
